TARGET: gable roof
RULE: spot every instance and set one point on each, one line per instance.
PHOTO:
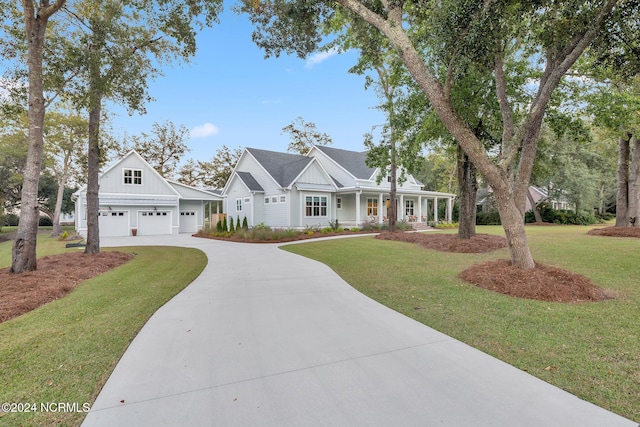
(249, 181)
(284, 168)
(147, 166)
(353, 162)
(193, 193)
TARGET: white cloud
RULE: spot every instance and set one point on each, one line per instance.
(204, 130)
(317, 58)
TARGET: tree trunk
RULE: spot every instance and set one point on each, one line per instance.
(534, 207)
(513, 225)
(93, 166)
(633, 202)
(468, 186)
(24, 247)
(622, 197)
(57, 228)
(392, 193)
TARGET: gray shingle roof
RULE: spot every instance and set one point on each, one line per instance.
(283, 167)
(352, 161)
(250, 181)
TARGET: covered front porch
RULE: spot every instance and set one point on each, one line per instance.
(358, 207)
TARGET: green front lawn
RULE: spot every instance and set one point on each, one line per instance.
(591, 349)
(64, 351)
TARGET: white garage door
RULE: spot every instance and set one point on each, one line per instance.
(154, 222)
(188, 222)
(114, 223)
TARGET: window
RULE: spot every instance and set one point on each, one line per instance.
(408, 207)
(238, 205)
(267, 200)
(133, 176)
(372, 207)
(247, 200)
(274, 199)
(283, 199)
(315, 206)
(339, 203)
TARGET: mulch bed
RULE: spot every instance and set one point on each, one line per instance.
(55, 277)
(450, 242)
(616, 232)
(543, 283)
(301, 236)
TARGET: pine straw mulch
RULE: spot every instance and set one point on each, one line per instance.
(450, 242)
(615, 232)
(544, 283)
(56, 276)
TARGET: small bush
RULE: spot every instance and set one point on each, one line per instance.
(45, 221)
(224, 224)
(488, 218)
(446, 225)
(334, 224)
(232, 228)
(11, 220)
(245, 223)
(238, 225)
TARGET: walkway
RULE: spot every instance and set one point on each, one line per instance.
(264, 337)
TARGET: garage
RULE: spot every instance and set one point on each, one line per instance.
(188, 222)
(154, 222)
(114, 223)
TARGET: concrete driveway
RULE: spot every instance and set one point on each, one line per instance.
(267, 338)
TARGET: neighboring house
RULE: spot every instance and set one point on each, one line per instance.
(294, 191)
(485, 201)
(135, 198)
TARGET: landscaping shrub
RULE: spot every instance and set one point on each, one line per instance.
(224, 224)
(238, 226)
(245, 224)
(488, 218)
(11, 220)
(219, 226)
(45, 221)
(232, 228)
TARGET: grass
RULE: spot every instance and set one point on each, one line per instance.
(591, 350)
(64, 351)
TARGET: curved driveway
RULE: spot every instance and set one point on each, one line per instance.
(264, 337)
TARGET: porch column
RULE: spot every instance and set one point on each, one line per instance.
(419, 208)
(381, 208)
(358, 193)
(401, 209)
(435, 210)
(449, 209)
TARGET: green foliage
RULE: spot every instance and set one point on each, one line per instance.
(488, 218)
(44, 221)
(446, 225)
(219, 226)
(564, 217)
(232, 228)
(224, 224)
(238, 225)
(245, 223)
(11, 220)
(334, 224)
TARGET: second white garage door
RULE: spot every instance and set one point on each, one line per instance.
(154, 222)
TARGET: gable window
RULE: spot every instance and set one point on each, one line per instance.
(267, 200)
(315, 206)
(283, 199)
(372, 207)
(238, 205)
(133, 176)
(408, 207)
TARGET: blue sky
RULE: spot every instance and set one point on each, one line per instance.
(229, 94)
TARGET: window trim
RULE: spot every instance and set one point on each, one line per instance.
(411, 207)
(373, 208)
(132, 177)
(239, 205)
(316, 210)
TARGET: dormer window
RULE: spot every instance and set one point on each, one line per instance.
(133, 176)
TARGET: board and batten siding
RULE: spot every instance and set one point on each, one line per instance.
(112, 181)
